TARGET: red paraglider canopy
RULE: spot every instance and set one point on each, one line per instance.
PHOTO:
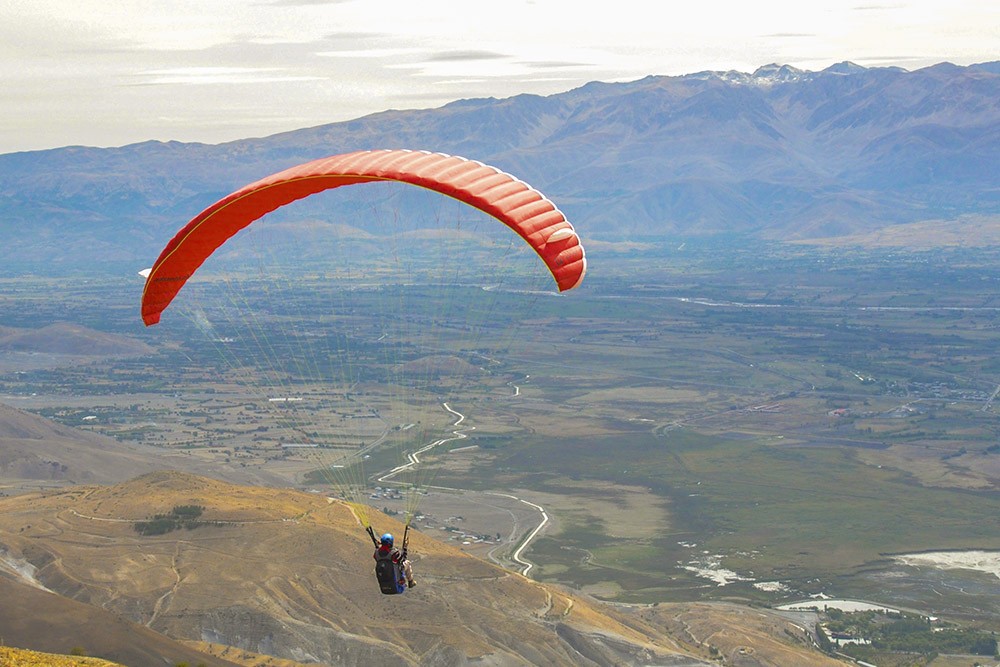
(512, 202)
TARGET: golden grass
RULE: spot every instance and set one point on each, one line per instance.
(240, 656)
(16, 657)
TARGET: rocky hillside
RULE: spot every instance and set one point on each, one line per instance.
(34, 618)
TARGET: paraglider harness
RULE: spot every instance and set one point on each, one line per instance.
(389, 572)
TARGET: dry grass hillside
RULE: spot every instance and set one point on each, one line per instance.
(33, 618)
(289, 574)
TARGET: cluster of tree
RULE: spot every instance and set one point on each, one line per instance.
(181, 516)
(907, 633)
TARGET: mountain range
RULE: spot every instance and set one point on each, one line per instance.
(777, 153)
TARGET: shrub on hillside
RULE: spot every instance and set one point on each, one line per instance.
(181, 516)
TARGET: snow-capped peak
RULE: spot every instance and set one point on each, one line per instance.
(767, 75)
(774, 73)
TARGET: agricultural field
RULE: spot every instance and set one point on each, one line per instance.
(703, 420)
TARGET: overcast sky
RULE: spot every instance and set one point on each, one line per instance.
(114, 72)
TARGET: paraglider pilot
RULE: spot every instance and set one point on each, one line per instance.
(392, 567)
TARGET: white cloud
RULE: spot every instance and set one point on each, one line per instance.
(220, 75)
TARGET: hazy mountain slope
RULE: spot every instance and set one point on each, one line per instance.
(778, 152)
(35, 452)
(34, 448)
(290, 574)
(65, 338)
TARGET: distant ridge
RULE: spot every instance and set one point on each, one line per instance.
(777, 153)
(70, 339)
(767, 75)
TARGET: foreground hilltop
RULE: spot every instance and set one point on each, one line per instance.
(288, 574)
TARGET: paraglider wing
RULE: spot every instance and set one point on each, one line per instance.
(522, 208)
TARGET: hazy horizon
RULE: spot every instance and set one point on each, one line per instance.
(84, 73)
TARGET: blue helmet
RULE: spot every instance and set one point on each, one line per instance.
(387, 540)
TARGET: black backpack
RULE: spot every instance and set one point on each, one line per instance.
(388, 574)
